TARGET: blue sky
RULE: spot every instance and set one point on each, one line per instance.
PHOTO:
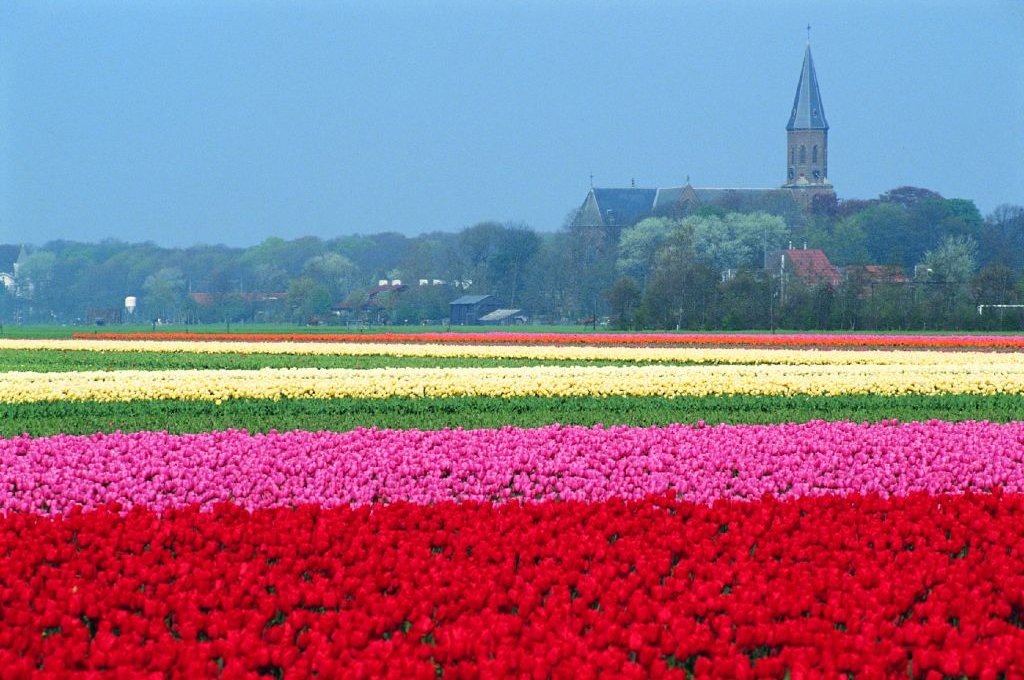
(228, 122)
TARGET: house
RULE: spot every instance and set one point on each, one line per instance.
(871, 276)
(469, 309)
(812, 267)
(207, 299)
(252, 305)
(376, 304)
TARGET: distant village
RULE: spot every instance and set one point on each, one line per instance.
(792, 256)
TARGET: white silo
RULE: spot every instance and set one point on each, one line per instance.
(130, 303)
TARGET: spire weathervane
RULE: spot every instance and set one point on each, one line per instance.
(808, 33)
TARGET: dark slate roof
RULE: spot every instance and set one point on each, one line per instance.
(624, 207)
(716, 196)
(469, 299)
(808, 112)
(631, 205)
(774, 201)
(666, 198)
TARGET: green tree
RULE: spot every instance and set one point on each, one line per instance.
(847, 244)
(746, 301)
(949, 269)
(639, 245)
(309, 300)
(737, 240)
(35, 274)
(164, 294)
(623, 299)
(681, 289)
(519, 247)
(333, 273)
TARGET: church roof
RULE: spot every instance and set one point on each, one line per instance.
(624, 207)
(666, 198)
(808, 112)
(728, 196)
(774, 201)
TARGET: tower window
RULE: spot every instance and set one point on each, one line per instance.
(814, 154)
(803, 154)
(792, 156)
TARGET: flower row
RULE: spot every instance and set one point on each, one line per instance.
(701, 464)
(710, 355)
(536, 381)
(755, 339)
(862, 586)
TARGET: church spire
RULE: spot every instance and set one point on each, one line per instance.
(808, 113)
(807, 133)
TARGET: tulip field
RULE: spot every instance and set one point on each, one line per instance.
(511, 504)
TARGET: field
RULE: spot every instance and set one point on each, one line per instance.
(428, 504)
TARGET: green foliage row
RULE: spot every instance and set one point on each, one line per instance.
(42, 331)
(8, 330)
(256, 415)
(86, 360)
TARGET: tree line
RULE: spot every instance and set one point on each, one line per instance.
(703, 270)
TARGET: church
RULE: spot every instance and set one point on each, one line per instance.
(806, 176)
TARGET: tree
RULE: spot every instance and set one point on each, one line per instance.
(332, 272)
(639, 244)
(908, 197)
(547, 291)
(847, 244)
(517, 249)
(36, 273)
(1002, 237)
(746, 301)
(954, 261)
(996, 284)
(164, 293)
(308, 299)
(623, 298)
(421, 304)
(478, 246)
(681, 288)
(949, 268)
(737, 240)
(591, 253)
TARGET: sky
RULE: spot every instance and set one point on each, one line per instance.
(184, 122)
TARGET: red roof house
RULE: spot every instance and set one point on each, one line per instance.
(810, 266)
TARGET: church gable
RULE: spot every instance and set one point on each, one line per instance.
(590, 212)
(615, 207)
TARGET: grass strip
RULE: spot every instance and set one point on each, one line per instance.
(53, 361)
(261, 415)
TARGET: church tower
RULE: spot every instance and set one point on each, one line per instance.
(807, 133)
